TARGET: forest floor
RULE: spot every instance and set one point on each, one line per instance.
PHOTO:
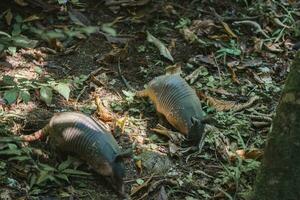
(234, 54)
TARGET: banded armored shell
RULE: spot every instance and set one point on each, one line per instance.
(177, 101)
(81, 135)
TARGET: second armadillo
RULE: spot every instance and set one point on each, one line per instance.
(79, 134)
(178, 102)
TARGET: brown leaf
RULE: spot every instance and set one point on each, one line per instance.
(175, 137)
(31, 18)
(162, 195)
(202, 58)
(194, 75)
(21, 2)
(201, 27)
(174, 69)
(274, 47)
(189, 35)
(233, 74)
(221, 105)
(228, 30)
(102, 112)
(254, 154)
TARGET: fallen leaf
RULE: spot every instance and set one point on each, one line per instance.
(194, 75)
(21, 2)
(162, 48)
(201, 27)
(202, 58)
(221, 105)
(102, 112)
(173, 148)
(228, 30)
(8, 17)
(139, 165)
(174, 69)
(274, 47)
(31, 18)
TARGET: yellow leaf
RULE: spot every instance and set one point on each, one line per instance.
(21, 2)
(228, 30)
(8, 17)
(31, 18)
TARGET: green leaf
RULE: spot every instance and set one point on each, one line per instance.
(17, 152)
(32, 180)
(163, 50)
(108, 29)
(22, 41)
(38, 70)
(12, 50)
(44, 176)
(25, 96)
(139, 181)
(47, 167)
(11, 95)
(46, 94)
(63, 177)
(8, 80)
(63, 89)
(5, 34)
(75, 172)
(19, 158)
(65, 164)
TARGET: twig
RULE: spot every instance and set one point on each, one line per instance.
(123, 78)
(254, 24)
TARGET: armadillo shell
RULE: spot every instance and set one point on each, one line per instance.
(176, 100)
(81, 135)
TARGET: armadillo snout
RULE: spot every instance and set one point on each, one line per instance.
(196, 132)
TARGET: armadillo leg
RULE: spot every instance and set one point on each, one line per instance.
(36, 135)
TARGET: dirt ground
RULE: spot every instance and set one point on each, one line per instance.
(240, 91)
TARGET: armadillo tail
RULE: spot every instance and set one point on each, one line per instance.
(40, 134)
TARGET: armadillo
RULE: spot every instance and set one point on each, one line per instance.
(178, 103)
(81, 135)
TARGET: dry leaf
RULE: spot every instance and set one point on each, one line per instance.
(228, 30)
(221, 105)
(194, 75)
(201, 27)
(174, 69)
(8, 17)
(175, 137)
(202, 58)
(232, 72)
(21, 2)
(139, 165)
(102, 112)
(274, 47)
(162, 48)
(189, 35)
(31, 18)
(173, 148)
